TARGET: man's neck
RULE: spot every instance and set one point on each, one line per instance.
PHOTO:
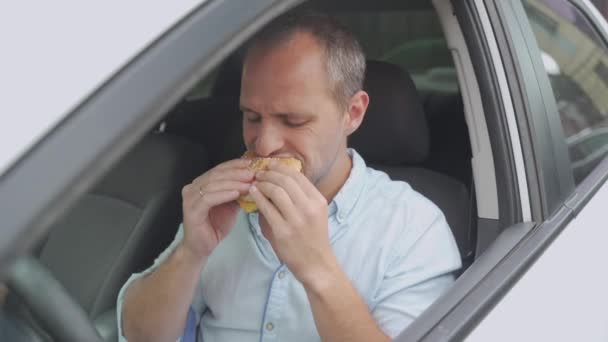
(331, 184)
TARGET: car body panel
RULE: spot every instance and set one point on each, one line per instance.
(562, 297)
(55, 64)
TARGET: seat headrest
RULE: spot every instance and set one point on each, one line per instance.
(394, 131)
(158, 163)
(214, 123)
(228, 81)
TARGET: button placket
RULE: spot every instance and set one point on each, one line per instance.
(263, 244)
(276, 302)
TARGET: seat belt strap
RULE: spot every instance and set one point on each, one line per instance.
(190, 331)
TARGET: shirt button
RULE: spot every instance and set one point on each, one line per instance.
(269, 326)
(282, 274)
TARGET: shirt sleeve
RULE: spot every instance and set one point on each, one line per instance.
(420, 271)
(157, 262)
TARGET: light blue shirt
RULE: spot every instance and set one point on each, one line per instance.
(393, 243)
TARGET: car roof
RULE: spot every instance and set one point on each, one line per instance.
(55, 54)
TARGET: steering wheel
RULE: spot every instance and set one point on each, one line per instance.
(50, 304)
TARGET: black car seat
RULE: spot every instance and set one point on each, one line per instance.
(450, 150)
(394, 138)
(121, 225)
(228, 82)
(213, 122)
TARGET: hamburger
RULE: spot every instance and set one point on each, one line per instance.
(261, 164)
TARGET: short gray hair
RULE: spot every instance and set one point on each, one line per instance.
(345, 57)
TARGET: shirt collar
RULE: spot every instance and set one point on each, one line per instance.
(347, 197)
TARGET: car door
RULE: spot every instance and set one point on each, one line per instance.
(45, 181)
(562, 295)
(541, 279)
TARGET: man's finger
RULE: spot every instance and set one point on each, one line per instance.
(193, 193)
(286, 182)
(227, 185)
(240, 175)
(304, 183)
(216, 181)
(209, 200)
(189, 193)
(272, 215)
(279, 199)
(235, 164)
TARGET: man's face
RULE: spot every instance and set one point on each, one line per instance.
(288, 107)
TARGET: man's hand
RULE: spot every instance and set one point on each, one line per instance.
(209, 205)
(295, 215)
(295, 222)
(156, 306)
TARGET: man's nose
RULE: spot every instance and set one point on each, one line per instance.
(268, 141)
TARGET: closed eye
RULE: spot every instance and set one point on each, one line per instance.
(293, 120)
(294, 123)
(252, 117)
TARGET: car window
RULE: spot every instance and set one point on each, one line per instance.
(576, 61)
(411, 39)
(204, 87)
(602, 7)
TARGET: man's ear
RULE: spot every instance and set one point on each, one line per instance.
(356, 111)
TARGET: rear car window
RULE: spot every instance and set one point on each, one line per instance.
(412, 39)
(602, 7)
(576, 61)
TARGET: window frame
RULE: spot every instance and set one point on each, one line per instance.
(587, 188)
(548, 148)
(544, 80)
(481, 286)
(54, 173)
(574, 196)
(492, 275)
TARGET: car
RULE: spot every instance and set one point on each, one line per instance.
(110, 108)
(591, 147)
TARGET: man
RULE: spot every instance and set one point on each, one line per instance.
(338, 252)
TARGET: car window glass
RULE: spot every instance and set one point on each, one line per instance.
(576, 61)
(602, 7)
(204, 87)
(413, 40)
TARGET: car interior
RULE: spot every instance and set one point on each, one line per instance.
(421, 127)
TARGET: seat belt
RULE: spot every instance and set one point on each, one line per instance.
(190, 331)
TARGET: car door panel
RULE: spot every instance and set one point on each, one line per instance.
(562, 297)
(551, 185)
